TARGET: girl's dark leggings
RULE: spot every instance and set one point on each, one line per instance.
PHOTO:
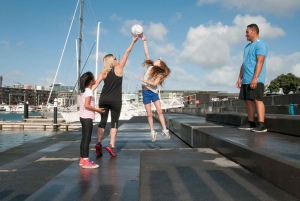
(87, 128)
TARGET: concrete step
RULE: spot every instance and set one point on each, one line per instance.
(272, 156)
(200, 174)
(270, 109)
(286, 124)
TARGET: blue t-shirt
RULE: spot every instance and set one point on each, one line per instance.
(258, 47)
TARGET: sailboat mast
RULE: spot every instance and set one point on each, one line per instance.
(79, 46)
(79, 53)
(97, 59)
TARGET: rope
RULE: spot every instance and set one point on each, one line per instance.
(62, 53)
(80, 73)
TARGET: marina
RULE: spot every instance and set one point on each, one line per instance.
(223, 75)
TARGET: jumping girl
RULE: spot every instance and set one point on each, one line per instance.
(155, 74)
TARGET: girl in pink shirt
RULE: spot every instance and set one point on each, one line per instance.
(87, 115)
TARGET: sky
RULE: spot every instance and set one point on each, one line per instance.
(202, 41)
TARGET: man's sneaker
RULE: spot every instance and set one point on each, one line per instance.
(98, 148)
(81, 160)
(166, 133)
(260, 128)
(88, 164)
(153, 136)
(248, 126)
(111, 150)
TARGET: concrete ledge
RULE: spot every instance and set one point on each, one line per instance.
(176, 126)
(286, 124)
(273, 157)
(199, 174)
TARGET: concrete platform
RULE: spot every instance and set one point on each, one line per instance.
(258, 152)
(47, 169)
(286, 124)
(200, 174)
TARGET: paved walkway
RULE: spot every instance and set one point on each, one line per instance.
(47, 169)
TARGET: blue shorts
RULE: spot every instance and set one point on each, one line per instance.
(149, 96)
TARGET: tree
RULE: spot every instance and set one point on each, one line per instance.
(288, 83)
(274, 86)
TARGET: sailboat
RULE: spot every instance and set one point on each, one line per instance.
(128, 109)
(73, 116)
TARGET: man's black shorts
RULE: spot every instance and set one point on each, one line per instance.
(246, 93)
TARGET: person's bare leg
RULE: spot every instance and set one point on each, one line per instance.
(113, 136)
(250, 107)
(160, 114)
(149, 115)
(100, 133)
(260, 107)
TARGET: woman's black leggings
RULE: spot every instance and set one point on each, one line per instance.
(87, 128)
(115, 111)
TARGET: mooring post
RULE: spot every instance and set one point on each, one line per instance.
(26, 110)
(55, 115)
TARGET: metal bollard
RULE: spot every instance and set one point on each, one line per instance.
(55, 126)
(26, 110)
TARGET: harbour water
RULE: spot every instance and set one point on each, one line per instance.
(7, 116)
(13, 138)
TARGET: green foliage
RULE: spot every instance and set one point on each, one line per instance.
(274, 86)
(288, 82)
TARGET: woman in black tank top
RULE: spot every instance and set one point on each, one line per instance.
(111, 97)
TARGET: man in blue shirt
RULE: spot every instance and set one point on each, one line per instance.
(252, 77)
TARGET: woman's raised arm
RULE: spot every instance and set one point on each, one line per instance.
(122, 62)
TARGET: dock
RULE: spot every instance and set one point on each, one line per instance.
(39, 123)
(203, 160)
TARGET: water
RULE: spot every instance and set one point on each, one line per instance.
(13, 138)
(5, 116)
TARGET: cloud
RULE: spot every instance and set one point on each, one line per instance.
(11, 77)
(115, 17)
(225, 76)
(180, 75)
(177, 16)
(20, 43)
(279, 64)
(156, 31)
(209, 46)
(163, 50)
(95, 30)
(266, 29)
(5, 44)
(277, 7)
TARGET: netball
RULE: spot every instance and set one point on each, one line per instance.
(137, 30)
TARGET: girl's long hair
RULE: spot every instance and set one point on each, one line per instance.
(162, 70)
(85, 80)
(108, 63)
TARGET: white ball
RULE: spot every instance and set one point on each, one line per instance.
(137, 30)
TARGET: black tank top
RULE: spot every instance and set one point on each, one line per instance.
(112, 89)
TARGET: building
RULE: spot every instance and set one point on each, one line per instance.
(66, 98)
(1, 80)
(208, 96)
(60, 87)
(22, 93)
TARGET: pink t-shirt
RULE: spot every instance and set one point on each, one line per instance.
(86, 113)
